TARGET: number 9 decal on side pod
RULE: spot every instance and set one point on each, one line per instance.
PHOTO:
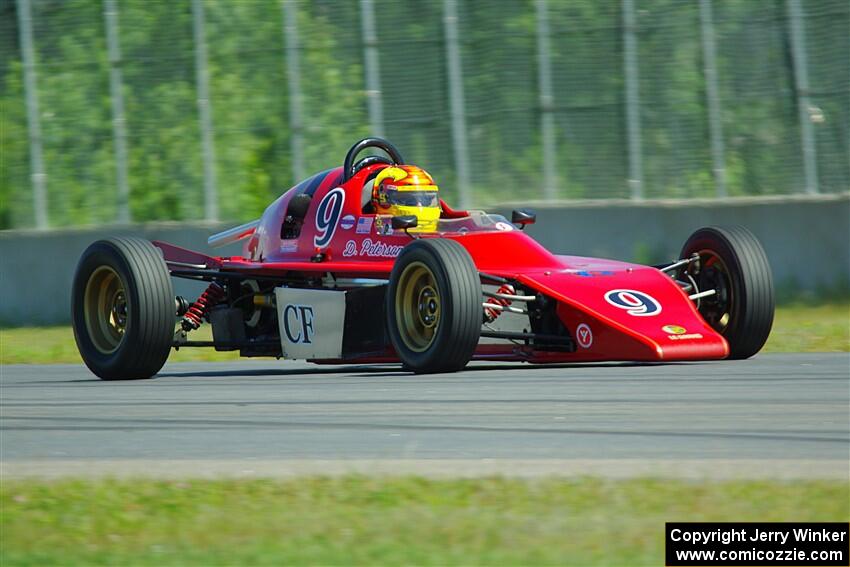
(327, 216)
(634, 302)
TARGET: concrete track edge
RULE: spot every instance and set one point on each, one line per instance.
(611, 469)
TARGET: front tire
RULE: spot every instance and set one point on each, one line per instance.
(123, 309)
(733, 262)
(434, 311)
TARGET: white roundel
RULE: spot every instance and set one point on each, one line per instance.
(347, 222)
(584, 336)
(635, 303)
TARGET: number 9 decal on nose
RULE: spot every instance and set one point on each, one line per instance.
(327, 216)
(634, 302)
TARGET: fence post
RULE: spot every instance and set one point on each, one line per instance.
(801, 80)
(547, 118)
(715, 119)
(458, 115)
(119, 125)
(373, 69)
(205, 112)
(37, 174)
(293, 72)
(632, 100)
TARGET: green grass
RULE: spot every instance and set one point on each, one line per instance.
(798, 328)
(811, 328)
(358, 520)
(55, 345)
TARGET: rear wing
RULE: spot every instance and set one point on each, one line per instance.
(234, 234)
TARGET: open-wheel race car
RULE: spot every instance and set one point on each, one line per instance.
(364, 263)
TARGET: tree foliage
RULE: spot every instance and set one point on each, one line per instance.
(250, 99)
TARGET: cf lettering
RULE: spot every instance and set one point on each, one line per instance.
(287, 327)
(306, 321)
(298, 323)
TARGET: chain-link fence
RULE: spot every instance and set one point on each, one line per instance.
(116, 110)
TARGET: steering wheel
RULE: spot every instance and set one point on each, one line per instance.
(350, 167)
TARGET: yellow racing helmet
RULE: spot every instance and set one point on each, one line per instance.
(407, 190)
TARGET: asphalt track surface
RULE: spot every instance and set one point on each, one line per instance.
(782, 416)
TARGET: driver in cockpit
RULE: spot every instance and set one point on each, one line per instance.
(406, 190)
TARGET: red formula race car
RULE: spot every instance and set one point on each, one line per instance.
(327, 278)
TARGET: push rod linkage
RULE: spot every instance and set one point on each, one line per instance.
(510, 297)
(678, 264)
(492, 278)
(508, 308)
(702, 294)
(186, 265)
(687, 287)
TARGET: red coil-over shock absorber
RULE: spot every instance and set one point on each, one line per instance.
(491, 313)
(195, 315)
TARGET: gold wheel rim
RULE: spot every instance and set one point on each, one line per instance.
(106, 309)
(417, 307)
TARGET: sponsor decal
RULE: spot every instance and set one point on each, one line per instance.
(346, 222)
(503, 226)
(289, 245)
(376, 249)
(687, 337)
(327, 216)
(364, 225)
(298, 323)
(383, 226)
(584, 336)
(590, 273)
(634, 302)
(679, 333)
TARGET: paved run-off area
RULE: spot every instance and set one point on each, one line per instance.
(775, 416)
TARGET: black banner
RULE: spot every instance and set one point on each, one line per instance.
(821, 544)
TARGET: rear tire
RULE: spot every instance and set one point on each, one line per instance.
(123, 309)
(733, 261)
(434, 311)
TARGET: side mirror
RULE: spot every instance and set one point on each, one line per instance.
(523, 217)
(404, 222)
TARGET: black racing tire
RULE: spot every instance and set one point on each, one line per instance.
(733, 261)
(434, 278)
(123, 309)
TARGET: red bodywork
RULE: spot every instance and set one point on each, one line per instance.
(602, 329)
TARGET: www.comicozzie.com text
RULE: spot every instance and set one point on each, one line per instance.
(726, 536)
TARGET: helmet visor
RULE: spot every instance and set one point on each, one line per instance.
(427, 198)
